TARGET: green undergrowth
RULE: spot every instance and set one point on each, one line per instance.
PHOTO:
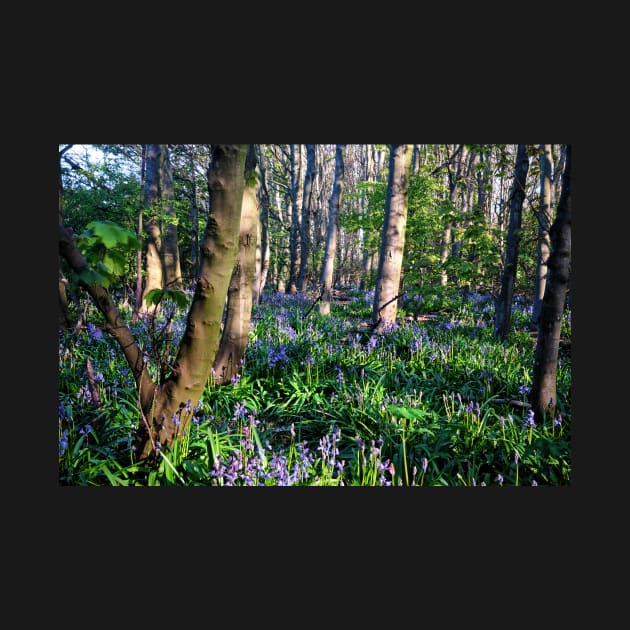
(434, 401)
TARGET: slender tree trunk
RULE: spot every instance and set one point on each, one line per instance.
(366, 267)
(543, 394)
(447, 236)
(467, 190)
(262, 241)
(138, 299)
(296, 208)
(194, 215)
(229, 358)
(170, 245)
(152, 195)
(307, 210)
(64, 319)
(326, 278)
(545, 216)
(393, 238)
(503, 305)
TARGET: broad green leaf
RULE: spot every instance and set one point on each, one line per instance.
(113, 235)
(154, 296)
(91, 276)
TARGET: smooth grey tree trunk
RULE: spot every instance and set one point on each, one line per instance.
(296, 216)
(229, 358)
(393, 238)
(152, 195)
(138, 299)
(307, 210)
(326, 278)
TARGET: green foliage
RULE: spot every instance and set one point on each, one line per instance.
(105, 246)
(177, 296)
(318, 403)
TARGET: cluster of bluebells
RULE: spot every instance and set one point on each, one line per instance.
(373, 462)
(94, 332)
(246, 466)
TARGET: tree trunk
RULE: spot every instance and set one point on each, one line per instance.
(138, 299)
(229, 358)
(194, 215)
(326, 278)
(262, 241)
(503, 304)
(167, 408)
(545, 216)
(153, 259)
(447, 236)
(170, 245)
(64, 319)
(393, 238)
(307, 210)
(296, 219)
(543, 394)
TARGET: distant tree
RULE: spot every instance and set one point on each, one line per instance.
(543, 393)
(326, 277)
(455, 180)
(262, 238)
(295, 196)
(152, 224)
(170, 246)
(545, 216)
(307, 210)
(503, 303)
(64, 319)
(393, 238)
(138, 298)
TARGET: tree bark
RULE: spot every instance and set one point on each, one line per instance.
(229, 358)
(153, 259)
(170, 245)
(167, 408)
(454, 183)
(326, 278)
(545, 216)
(393, 238)
(262, 242)
(296, 219)
(138, 298)
(307, 210)
(64, 319)
(543, 394)
(503, 304)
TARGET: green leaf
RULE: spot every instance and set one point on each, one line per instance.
(91, 276)
(113, 235)
(114, 262)
(154, 296)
